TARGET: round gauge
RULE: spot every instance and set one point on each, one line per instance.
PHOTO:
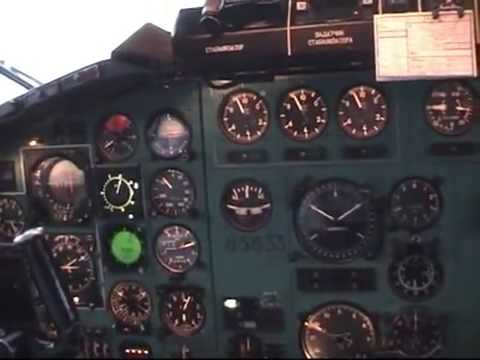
(12, 218)
(244, 117)
(169, 136)
(335, 221)
(117, 139)
(415, 204)
(303, 115)
(338, 331)
(60, 186)
(363, 112)
(74, 261)
(247, 204)
(177, 249)
(417, 333)
(416, 277)
(126, 247)
(131, 304)
(450, 108)
(172, 193)
(118, 193)
(183, 313)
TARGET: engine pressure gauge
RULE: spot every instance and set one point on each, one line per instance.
(303, 115)
(117, 139)
(363, 112)
(177, 249)
(449, 108)
(183, 313)
(130, 304)
(12, 218)
(169, 137)
(247, 205)
(244, 118)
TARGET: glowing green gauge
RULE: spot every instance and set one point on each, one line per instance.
(126, 247)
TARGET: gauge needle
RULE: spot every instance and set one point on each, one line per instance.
(351, 211)
(119, 184)
(321, 212)
(109, 144)
(240, 106)
(167, 183)
(345, 336)
(186, 246)
(462, 108)
(12, 225)
(357, 99)
(187, 301)
(439, 107)
(299, 105)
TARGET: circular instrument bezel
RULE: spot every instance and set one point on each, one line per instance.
(21, 218)
(221, 114)
(437, 215)
(140, 321)
(165, 265)
(100, 130)
(185, 150)
(387, 110)
(346, 255)
(241, 182)
(183, 332)
(159, 211)
(428, 119)
(355, 308)
(282, 116)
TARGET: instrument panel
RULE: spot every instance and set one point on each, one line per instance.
(317, 216)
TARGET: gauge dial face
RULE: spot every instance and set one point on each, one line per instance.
(338, 331)
(244, 118)
(177, 249)
(183, 313)
(363, 112)
(118, 193)
(169, 137)
(247, 205)
(416, 277)
(417, 333)
(60, 186)
(131, 304)
(12, 218)
(303, 115)
(415, 204)
(450, 108)
(335, 221)
(172, 193)
(117, 139)
(74, 261)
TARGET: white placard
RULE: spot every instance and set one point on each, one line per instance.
(413, 46)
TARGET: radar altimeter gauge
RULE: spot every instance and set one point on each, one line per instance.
(450, 108)
(336, 221)
(303, 115)
(416, 277)
(338, 331)
(247, 205)
(131, 304)
(12, 218)
(244, 118)
(119, 193)
(169, 137)
(416, 332)
(363, 112)
(183, 313)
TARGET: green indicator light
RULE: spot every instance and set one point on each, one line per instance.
(126, 247)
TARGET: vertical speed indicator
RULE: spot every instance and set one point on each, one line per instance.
(244, 117)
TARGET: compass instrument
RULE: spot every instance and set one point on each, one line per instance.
(117, 139)
(12, 218)
(363, 112)
(177, 249)
(303, 115)
(169, 137)
(338, 331)
(183, 313)
(172, 193)
(335, 221)
(130, 304)
(449, 109)
(244, 117)
(247, 205)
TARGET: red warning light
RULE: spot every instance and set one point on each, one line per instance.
(118, 123)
